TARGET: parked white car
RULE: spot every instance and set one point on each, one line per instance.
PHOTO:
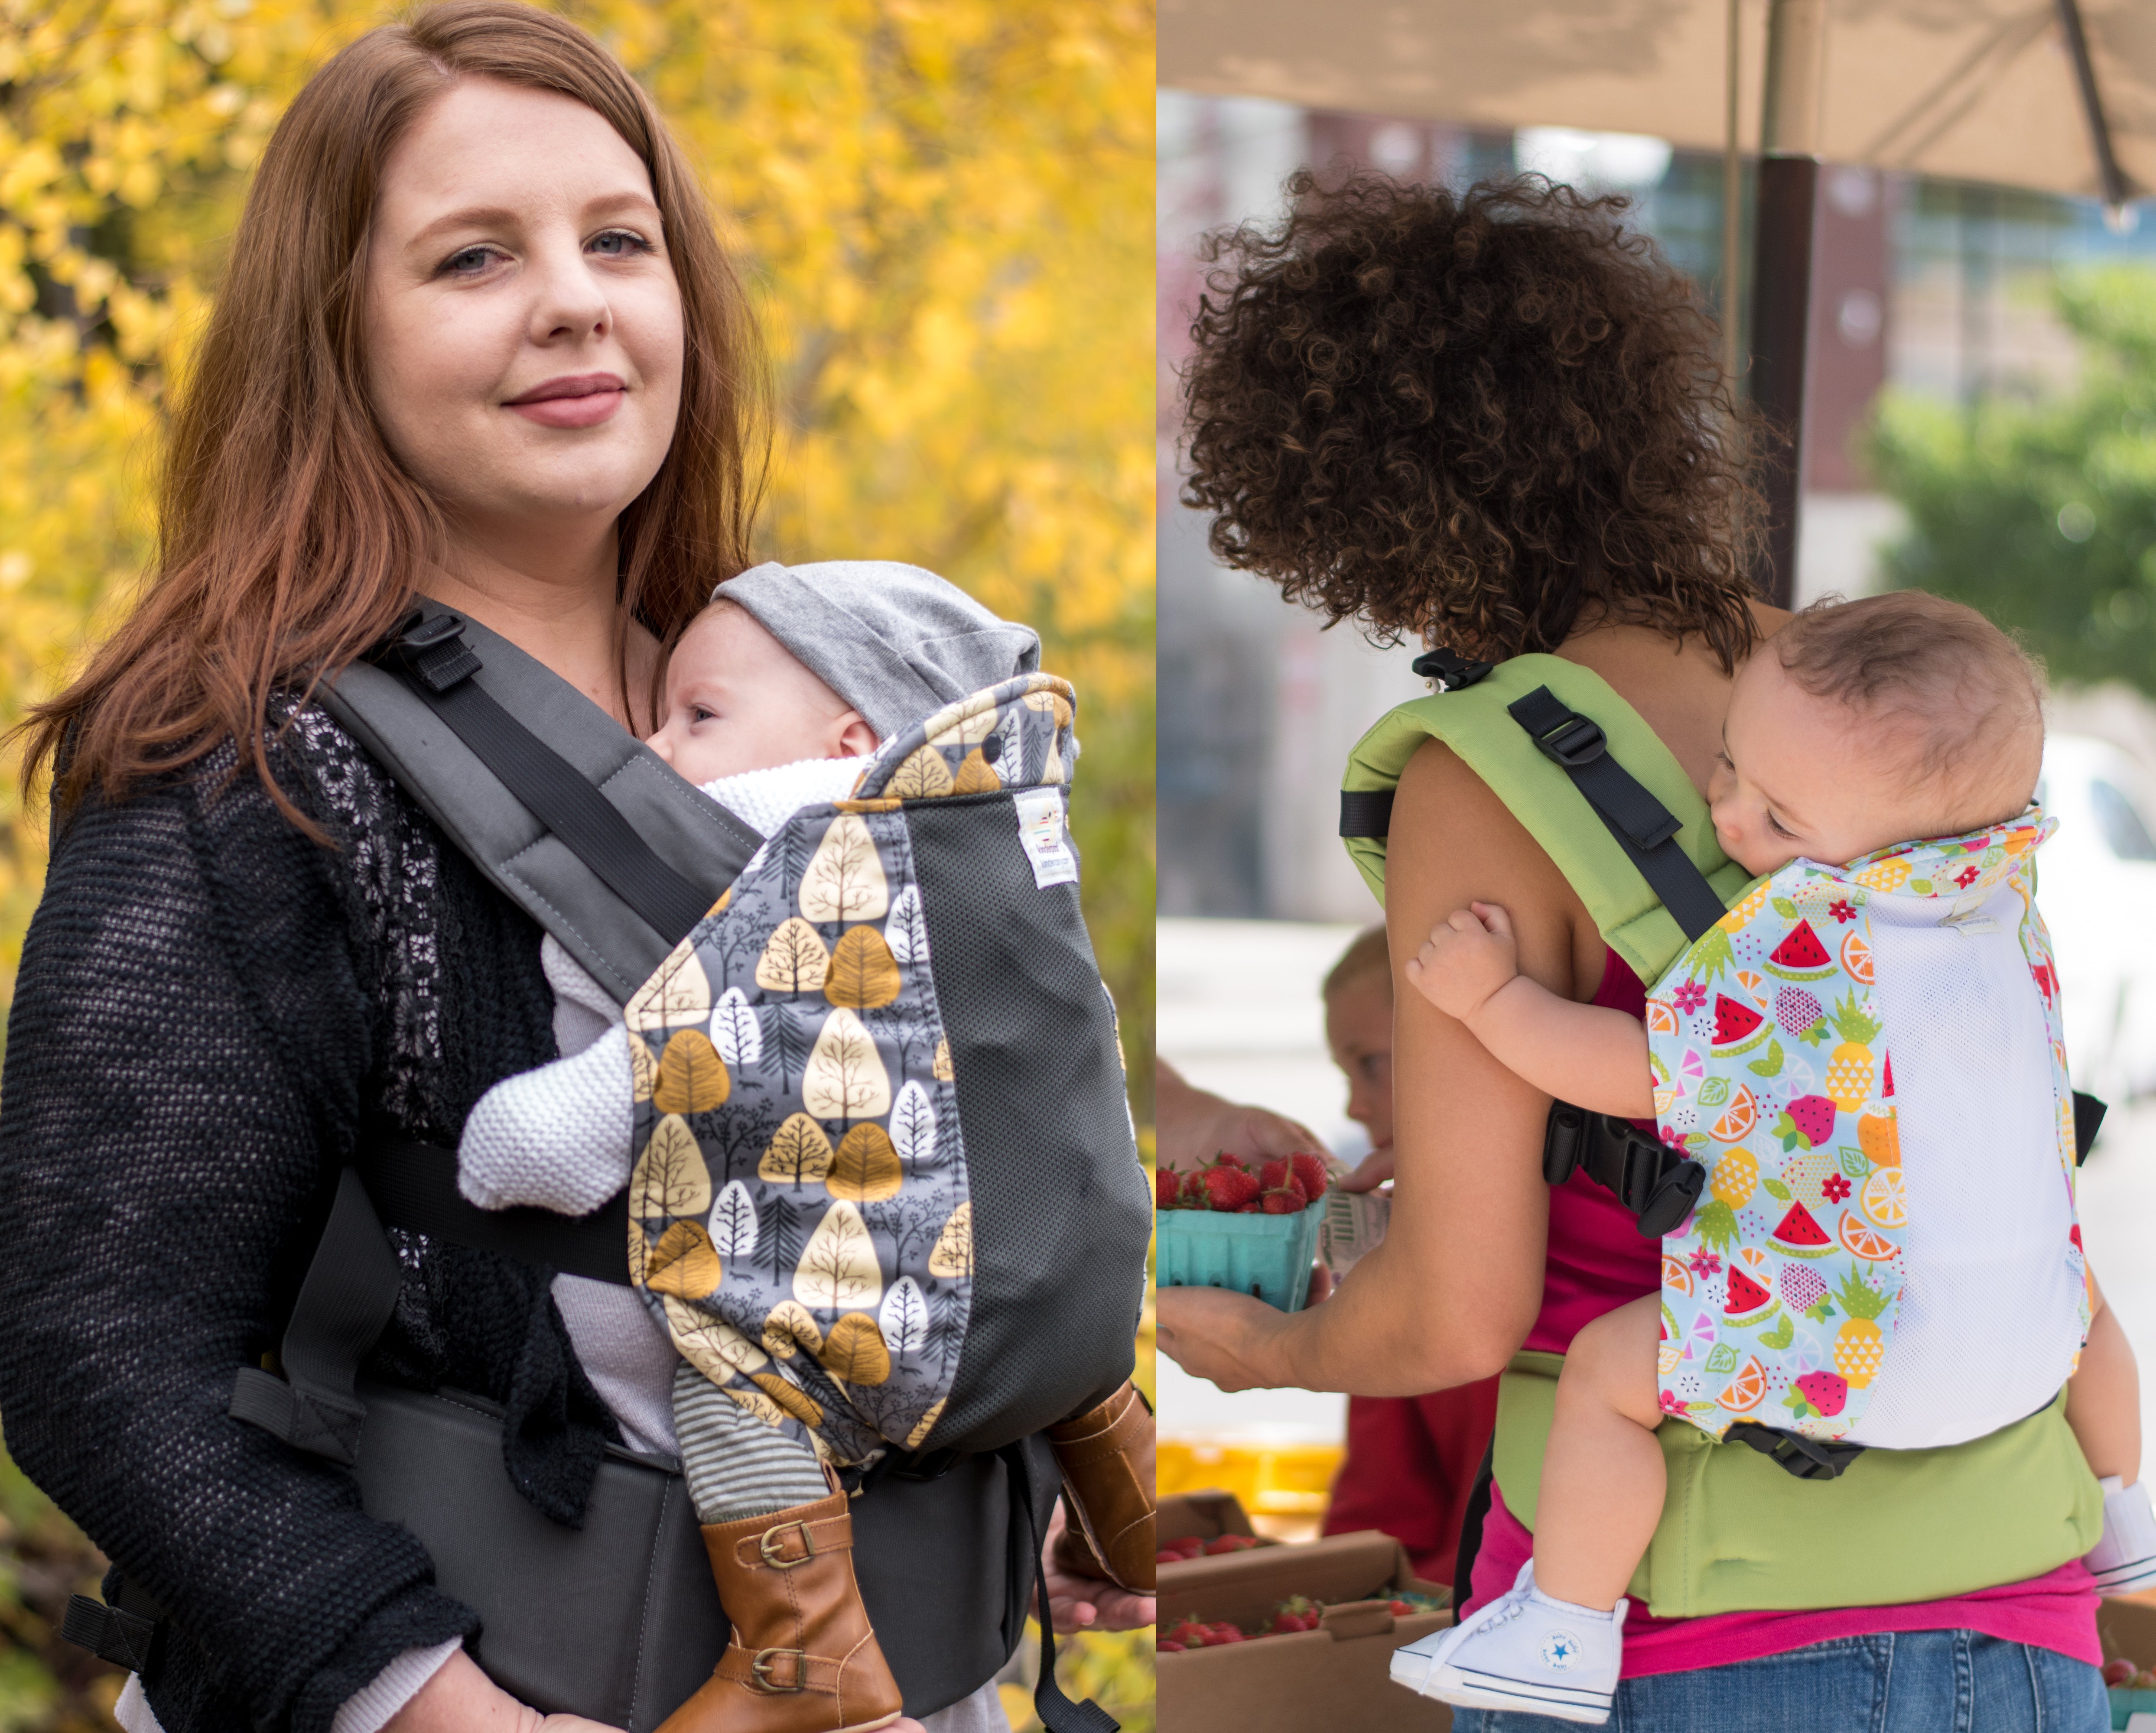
(2097, 887)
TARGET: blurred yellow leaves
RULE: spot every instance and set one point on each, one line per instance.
(944, 208)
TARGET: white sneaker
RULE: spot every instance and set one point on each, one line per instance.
(1524, 1652)
(2123, 1562)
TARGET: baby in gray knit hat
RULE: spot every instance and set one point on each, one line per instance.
(776, 696)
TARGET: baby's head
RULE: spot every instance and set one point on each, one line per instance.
(738, 699)
(826, 661)
(1862, 724)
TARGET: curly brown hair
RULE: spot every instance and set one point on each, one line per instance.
(1468, 417)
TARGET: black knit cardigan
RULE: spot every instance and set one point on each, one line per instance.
(210, 1005)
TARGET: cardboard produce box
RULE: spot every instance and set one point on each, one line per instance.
(1209, 1515)
(1337, 1677)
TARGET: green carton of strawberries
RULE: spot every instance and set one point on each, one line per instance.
(1250, 1226)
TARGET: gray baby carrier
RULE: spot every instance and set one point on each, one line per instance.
(913, 1087)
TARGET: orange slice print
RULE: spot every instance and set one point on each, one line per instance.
(1748, 1389)
(1676, 1277)
(1738, 1119)
(1857, 958)
(1661, 1017)
(1862, 1242)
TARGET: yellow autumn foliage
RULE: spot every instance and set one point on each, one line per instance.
(945, 208)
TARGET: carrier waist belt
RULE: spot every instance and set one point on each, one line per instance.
(413, 1186)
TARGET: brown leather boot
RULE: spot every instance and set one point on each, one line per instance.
(1107, 1461)
(803, 1659)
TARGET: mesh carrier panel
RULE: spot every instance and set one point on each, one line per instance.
(1061, 1211)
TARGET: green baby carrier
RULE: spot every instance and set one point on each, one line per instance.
(1775, 1527)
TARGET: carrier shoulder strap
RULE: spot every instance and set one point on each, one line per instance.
(581, 824)
(1587, 777)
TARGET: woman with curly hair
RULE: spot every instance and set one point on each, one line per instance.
(1493, 422)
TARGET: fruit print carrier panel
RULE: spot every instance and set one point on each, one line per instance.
(1868, 1060)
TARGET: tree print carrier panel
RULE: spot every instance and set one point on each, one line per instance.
(1869, 1059)
(814, 1174)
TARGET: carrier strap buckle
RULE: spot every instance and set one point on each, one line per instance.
(1807, 1459)
(1575, 742)
(1658, 1185)
(432, 651)
(1447, 670)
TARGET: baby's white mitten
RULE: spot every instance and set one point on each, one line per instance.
(558, 1137)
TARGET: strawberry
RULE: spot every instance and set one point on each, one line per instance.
(1229, 1543)
(1165, 1647)
(1226, 1185)
(1167, 1190)
(1287, 1200)
(2118, 1672)
(1298, 1612)
(1310, 1171)
(1279, 1174)
(1398, 1609)
(1190, 1634)
(1224, 1633)
(1248, 1209)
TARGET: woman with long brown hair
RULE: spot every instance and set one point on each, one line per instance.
(476, 340)
(1494, 422)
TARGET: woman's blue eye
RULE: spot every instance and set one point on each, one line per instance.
(620, 243)
(467, 263)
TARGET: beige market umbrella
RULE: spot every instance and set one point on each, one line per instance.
(2050, 94)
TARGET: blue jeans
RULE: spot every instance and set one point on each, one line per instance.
(1904, 1682)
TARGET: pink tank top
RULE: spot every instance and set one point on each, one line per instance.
(1597, 1261)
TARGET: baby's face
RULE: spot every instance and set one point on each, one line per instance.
(738, 699)
(1803, 776)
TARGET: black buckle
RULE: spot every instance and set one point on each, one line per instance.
(432, 651)
(111, 1633)
(1448, 671)
(1658, 1185)
(1807, 1459)
(1574, 742)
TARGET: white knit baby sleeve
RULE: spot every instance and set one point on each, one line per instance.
(558, 1137)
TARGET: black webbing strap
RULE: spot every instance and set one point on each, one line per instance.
(349, 1292)
(1807, 1459)
(438, 664)
(123, 1630)
(413, 1186)
(1644, 829)
(1471, 1520)
(2088, 1119)
(1658, 1185)
(1366, 811)
(1057, 1712)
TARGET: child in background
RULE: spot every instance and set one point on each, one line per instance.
(1859, 726)
(1411, 1461)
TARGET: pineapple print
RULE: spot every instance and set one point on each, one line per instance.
(1860, 1345)
(1849, 1072)
(1736, 1177)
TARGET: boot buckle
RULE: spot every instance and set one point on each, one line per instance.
(769, 1545)
(760, 1666)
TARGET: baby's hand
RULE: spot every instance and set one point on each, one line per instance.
(1467, 957)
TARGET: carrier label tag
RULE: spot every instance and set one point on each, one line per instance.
(1041, 832)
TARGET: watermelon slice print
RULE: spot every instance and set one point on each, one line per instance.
(1800, 957)
(1745, 1297)
(1739, 1027)
(1799, 1236)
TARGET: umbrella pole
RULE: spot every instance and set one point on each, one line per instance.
(1782, 268)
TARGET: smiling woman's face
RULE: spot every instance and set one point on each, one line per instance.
(523, 323)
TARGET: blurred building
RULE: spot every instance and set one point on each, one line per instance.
(1935, 286)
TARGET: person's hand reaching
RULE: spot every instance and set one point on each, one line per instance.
(1195, 1125)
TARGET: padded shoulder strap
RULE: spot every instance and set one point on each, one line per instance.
(1478, 723)
(692, 845)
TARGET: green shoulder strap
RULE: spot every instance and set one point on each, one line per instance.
(1474, 723)
(1736, 1533)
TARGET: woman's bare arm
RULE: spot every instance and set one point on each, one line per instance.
(1596, 1059)
(1450, 1295)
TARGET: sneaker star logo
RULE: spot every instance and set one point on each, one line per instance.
(1560, 1649)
